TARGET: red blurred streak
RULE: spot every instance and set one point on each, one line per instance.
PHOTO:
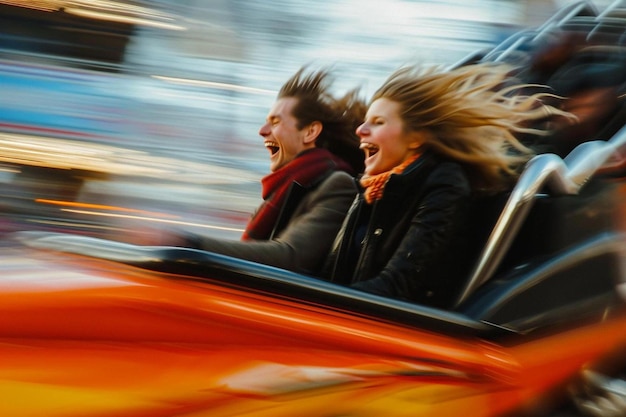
(47, 130)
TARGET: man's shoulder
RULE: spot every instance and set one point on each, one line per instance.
(338, 185)
(338, 179)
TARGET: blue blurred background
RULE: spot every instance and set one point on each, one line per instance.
(118, 118)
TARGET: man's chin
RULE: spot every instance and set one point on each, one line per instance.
(275, 166)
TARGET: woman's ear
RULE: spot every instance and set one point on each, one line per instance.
(418, 138)
(313, 130)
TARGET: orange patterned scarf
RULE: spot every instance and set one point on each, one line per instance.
(375, 185)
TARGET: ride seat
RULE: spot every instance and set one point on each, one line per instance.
(563, 212)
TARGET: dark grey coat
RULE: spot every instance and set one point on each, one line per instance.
(303, 238)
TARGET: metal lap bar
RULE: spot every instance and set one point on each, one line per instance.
(617, 7)
(561, 177)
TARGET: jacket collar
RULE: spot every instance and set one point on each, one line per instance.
(422, 164)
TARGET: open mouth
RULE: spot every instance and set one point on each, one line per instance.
(272, 146)
(369, 148)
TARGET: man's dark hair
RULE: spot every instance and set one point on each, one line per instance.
(339, 116)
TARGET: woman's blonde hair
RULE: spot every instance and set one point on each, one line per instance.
(471, 114)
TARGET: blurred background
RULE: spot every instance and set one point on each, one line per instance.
(120, 117)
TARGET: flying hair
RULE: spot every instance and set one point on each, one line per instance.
(472, 114)
(339, 116)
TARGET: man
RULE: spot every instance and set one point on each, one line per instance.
(314, 155)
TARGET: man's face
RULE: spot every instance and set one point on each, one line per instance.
(280, 133)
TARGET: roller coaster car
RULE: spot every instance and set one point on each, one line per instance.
(91, 327)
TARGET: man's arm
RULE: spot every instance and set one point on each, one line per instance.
(306, 240)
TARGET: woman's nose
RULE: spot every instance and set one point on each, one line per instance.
(361, 130)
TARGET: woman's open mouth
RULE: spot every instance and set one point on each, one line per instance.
(369, 148)
(272, 146)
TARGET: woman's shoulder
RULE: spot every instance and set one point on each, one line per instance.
(447, 172)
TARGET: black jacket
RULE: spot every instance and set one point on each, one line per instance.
(411, 244)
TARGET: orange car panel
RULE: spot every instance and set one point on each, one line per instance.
(84, 337)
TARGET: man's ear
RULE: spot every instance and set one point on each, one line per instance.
(312, 131)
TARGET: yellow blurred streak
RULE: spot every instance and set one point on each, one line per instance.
(212, 84)
(88, 156)
(122, 19)
(59, 400)
(115, 11)
(43, 5)
(103, 207)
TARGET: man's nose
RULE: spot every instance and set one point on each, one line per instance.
(264, 130)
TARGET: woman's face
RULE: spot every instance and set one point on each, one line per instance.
(383, 139)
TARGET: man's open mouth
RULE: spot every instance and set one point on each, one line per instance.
(272, 146)
(369, 148)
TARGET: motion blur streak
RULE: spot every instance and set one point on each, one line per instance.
(155, 105)
(121, 119)
(101, 207)
(151, 219)
(212, 84)
(123, 19)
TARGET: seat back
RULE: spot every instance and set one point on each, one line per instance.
(545, 175)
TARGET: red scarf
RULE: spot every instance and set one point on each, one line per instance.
(375, 185)
(305, 169)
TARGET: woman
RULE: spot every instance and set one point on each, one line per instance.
(432, 140)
